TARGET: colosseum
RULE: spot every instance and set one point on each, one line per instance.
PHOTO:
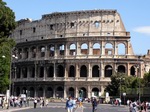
(66, 52)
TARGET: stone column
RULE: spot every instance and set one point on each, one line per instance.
(66, 50)
(54, 71)
(56, 51)
(90, 49)
(102, 70)
(89, 91)
(45, 72)
(54, 92)
(76, 92)
(28, 72)
(102, 48)
(43, 91)
(46, 52)
(65, 92)
(89, 69)
(77, 71)
(66, 72)
(115, 48)
(78, 49)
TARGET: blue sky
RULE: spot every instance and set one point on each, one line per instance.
(135, 14)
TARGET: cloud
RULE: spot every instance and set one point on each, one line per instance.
(143, 30)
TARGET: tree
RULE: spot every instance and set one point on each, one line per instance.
(146, 79)
(7, 25)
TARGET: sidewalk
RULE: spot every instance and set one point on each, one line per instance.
(13, 109)
(79, 109)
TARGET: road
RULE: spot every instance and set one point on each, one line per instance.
(60, 107)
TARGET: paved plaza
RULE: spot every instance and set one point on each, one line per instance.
(60, 107)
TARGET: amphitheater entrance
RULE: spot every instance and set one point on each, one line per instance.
(82, 92)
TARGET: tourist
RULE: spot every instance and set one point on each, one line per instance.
(69, 105)
(94, 105)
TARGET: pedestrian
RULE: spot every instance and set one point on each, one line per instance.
(94, 105)
(35, 102)
(41, 102)
(69, 105)
(46, 102)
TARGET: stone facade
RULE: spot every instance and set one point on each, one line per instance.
(65, 52)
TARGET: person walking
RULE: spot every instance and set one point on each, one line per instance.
(69, 105)
(35, 102)
(94, 105)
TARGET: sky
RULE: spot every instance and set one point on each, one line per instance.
(134, 13)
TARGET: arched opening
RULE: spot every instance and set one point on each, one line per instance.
(24, 90)
(121, 69)
(84, 48)
(40, 92)
(49, 92)
(71, 71)
(96, 49)
(41, 75)
(33, 51)
(83, 71)
(24, 72)
(32, 91)
(97, 24)
(59, 92)
(61, 49)
(17, 91)
(82, 92)
(18, 72)
(26, 53)
(95, 92)
(42, 50)
(71, 92)
(95, 71)
(132, 71)
(52, 49)
(121, 49)
(72, 49)
(60, 71)
(108, 49)
(108, 71)
(50, 71)
(32, 72)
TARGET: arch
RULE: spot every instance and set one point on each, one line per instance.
(84, 48)
(41, 73)
(32, 73)
(83, 71)
(59, 91)
(50, 71)
(95, 92)
(71, 91)
(33, 51)
(72, 49)
(97, 24)
(121, 49)
(49, 92)
(71, 71)
(95, 71)
(108, 71)
(40, 92)
(96, 49)
(108, 49)
(18, 72)
(60, 71)
(24, 90)
(24, 72)
(52, 50)
(17, 91)
(83, 92)
(26, 53)
(42, 50)
(61, 49)
(132, 71)
(31, 92)
(121, 69)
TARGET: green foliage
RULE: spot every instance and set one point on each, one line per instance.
(146, 79)
(7, 24)
(122, 82)
(7, 20)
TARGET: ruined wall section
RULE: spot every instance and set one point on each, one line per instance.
(71, 24)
